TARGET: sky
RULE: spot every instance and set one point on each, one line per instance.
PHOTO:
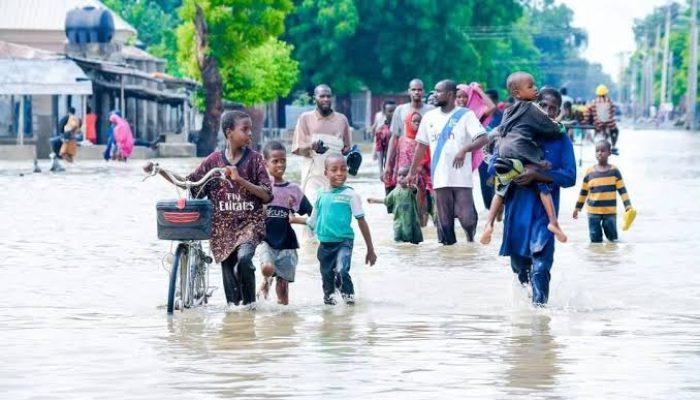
(609, 26)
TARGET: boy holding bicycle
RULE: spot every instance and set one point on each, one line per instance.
(239, 219)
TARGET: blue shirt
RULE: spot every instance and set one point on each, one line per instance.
(525, 221)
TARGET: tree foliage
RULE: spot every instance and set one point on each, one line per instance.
(254, 65)
(382, 44)
(155, 21)
(679, 46)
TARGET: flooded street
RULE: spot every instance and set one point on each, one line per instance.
(84, 291)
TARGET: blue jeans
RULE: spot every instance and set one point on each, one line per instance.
(535, 270)
(599, 223)
(335, 259)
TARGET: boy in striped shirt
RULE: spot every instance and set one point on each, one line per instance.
(599, 185)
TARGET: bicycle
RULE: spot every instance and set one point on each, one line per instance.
(188, 222)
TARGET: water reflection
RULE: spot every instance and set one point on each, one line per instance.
(532, 354)
(83, 292)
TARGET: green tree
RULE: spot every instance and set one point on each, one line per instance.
(231, 46)
(382, 44)
(155, 22)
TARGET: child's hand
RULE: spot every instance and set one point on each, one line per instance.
(232, 173)
(371, 258)
(575, 214)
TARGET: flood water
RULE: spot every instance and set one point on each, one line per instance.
(83, 292)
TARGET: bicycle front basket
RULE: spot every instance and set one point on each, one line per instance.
(184, 219)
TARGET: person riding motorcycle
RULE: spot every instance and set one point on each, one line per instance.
(601, 112)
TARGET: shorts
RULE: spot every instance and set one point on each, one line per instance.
(284, 260)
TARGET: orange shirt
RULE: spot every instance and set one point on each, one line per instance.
(90, 132)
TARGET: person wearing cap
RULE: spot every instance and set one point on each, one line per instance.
(601, 111)
(318, 133)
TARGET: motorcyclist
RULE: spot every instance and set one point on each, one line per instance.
(601, 111)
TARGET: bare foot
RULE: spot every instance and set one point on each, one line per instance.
(486, 236)
(558, 233)
(264, 290)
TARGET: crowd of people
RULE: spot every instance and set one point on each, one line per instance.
(428, 152)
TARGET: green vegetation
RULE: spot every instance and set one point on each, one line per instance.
(251, 51)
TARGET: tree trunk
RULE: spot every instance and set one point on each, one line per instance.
(213, 87)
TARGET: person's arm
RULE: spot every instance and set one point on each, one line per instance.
(620, 186)
(564, 175)
(544, 127)
(301, 142)
(475, 130)
(373, 200)
(259, 191)
(582, 196)
(379, 151)
(371, 257)
(476, 144)
(490, 106)
(359, 214)
(347, 138)
(416, 164)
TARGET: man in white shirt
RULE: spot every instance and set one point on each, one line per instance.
(450, 133)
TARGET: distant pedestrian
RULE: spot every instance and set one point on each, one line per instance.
(402, 202)
(89, 126)
(318, 134)
(69, 148)
(382, 135)
(123, 137)
(450, 134)
(400, 122)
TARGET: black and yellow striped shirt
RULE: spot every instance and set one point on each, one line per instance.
(600, 187)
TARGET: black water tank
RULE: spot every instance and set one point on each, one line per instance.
(89, 25)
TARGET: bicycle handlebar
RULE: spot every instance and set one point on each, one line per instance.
(184, 183)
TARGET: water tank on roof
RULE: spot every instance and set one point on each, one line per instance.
(89, 25)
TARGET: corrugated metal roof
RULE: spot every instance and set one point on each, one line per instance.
(42, 77)
(16, 51)
(47, 15)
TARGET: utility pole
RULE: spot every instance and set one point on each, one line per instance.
(664, 66)
(692, 67)
(621, 78)
(633, 90)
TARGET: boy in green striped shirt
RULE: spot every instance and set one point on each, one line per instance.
(598, 191)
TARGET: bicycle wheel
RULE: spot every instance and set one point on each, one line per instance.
(199, 276)
(175, 284)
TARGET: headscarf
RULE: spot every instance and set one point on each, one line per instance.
(122, 135)
(408, 125)
(475, 102)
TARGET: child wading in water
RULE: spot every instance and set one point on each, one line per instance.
(278, 252)
(402, 201)
(523, 125)
(599, 186)
(238, 223)
(331, 220)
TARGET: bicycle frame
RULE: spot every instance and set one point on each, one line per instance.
(189, 266)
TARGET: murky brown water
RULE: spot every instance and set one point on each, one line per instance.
(83, 294)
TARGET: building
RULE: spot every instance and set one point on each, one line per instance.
(119, 76)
